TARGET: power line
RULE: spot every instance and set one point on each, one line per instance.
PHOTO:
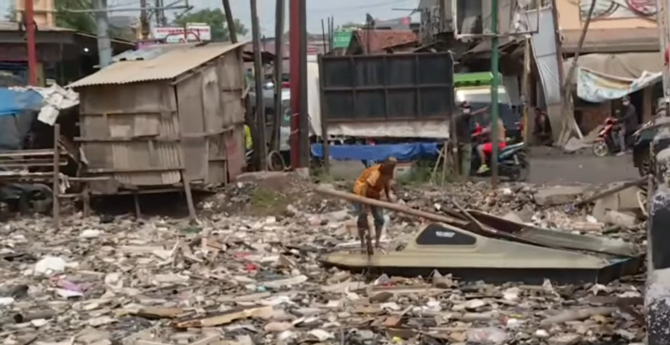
(123, 4)
(359, 7)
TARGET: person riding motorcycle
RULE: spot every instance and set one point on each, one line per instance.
(486, 149)
(627, 123)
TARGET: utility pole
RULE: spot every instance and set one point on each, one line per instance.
(294, 56)
(304, 108)
(657, 294)
(104, 44)
(495, 56)
(29, 21)
(232, 32)
(278, 72)
(261, 143)
(144, 19)
(157, 12)
(664, 41)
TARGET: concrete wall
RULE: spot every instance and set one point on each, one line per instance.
(570, 17)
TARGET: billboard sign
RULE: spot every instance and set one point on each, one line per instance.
(193, 32)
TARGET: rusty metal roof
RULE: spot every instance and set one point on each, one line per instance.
(151, 52)
(612, 40)
(382, 39)
(169, 65)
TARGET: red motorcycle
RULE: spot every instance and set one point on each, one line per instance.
(605, 144)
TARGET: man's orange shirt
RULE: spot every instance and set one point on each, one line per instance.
(371, 183)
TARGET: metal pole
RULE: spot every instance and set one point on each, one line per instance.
(157, 5)
(662, 24)
(29, 22)
(294, 56)
(304, 109)
(232, 32)
(279, 72)
(666, 34)
(110, 10)
(104, 44)
(567, 83)
(258, 76)
(495, 55)
(331, 29)
(324, 39)
(144, 20)
(657, 294)
(525, 91)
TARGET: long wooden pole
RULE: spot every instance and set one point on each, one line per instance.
(56, 178)
(525, 91)
(495, 56)
(29, 22)
(294, 79)
(280, 16)
(230, 21)
(390, 206)
(566, 104)
(259, 141)
(609, 192)
(567, 83)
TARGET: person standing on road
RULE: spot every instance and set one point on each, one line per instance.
(462, 126)
(370, 184)
(542, 130)
(627, 120)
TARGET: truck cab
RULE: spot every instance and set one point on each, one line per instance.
(476, 89)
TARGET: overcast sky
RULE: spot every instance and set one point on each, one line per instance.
(342, 10)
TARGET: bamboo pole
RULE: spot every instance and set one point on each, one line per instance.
(390, 206)
(569, 123)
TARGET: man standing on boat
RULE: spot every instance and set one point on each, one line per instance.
(370, 184)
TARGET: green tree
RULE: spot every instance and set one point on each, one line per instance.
(82, 22)
(216, 19)
(349, 26)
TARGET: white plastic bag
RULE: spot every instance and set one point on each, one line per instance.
(489, 335)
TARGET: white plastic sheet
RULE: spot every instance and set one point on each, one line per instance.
(544, 50)
(594, 87)
(56, 99)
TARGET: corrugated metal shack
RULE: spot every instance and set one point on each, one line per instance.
(159, 112)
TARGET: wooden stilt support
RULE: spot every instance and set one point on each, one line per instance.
(56, 178)
(189, 197)
(86, 199)
(138, 210)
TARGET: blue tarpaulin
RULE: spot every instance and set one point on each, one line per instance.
(16, 101)
(402, 152)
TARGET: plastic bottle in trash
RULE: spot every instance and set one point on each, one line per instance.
(489, 335)
(387, 222)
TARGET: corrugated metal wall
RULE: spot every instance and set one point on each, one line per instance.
(142, 134)
(116, 122)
